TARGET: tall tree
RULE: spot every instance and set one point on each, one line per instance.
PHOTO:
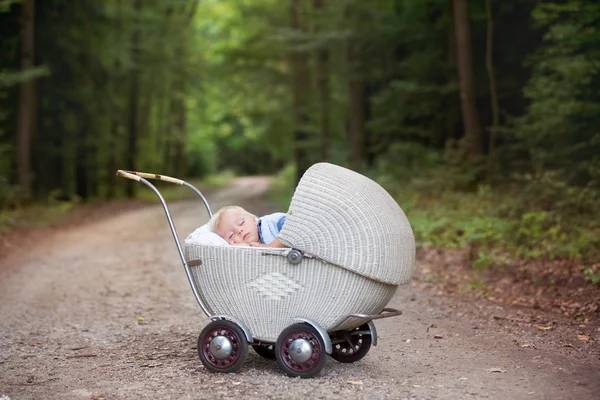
(466, 78)
(322, 72)
(356, 109)
(133, 98)
(489, 62)
(27, 101)
(301, 79)
(179, 107)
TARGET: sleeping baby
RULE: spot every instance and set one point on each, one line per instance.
(241, 228)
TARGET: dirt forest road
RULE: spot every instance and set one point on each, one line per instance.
(104, 311)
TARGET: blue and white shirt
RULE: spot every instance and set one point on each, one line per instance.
(269, 226)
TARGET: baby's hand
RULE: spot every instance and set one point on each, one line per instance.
(257, 244)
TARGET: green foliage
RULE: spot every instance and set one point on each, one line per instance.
(50, 213)
(245, 97)
(478, 220)
(282, 186)
(10, 78)
(559, 129)
(10, 195)
(592, 275)
(218, 180)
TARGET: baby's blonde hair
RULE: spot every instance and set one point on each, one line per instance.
(216, 218)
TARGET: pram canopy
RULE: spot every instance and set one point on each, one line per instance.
(347, 219)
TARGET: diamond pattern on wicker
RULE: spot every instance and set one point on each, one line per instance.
(274, 286)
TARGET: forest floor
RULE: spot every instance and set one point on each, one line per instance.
(100, 308)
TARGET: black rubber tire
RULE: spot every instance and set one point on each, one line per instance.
(312, 366)
(235, 361)
(354, 350)
(265, 350)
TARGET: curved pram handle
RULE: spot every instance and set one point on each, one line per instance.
(140, 177)
(137, 175)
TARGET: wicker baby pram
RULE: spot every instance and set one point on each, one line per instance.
(350, 246)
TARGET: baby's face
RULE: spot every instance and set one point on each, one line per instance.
(238, 227)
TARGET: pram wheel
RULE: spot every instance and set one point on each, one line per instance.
(265, 350)
(351, 346)
(300, 351)
(222, 347)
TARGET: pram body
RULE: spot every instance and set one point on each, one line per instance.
(350, 246)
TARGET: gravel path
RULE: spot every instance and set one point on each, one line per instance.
(104, 311)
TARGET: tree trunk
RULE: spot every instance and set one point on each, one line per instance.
(111, 191)
(145, 98)
(133, 103)
(356, 119)
(27, 103)
(301, 80)
(472, 128)
(489, 62)
(179, 135)
(82, 156)
(322, 63)
(452, 108)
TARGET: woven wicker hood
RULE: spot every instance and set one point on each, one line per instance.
(349, 220)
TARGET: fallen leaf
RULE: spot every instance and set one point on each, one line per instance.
(584, 338)
(502, 371)
(544, 328)
(354, 382)
(529, 345)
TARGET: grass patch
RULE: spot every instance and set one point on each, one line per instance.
(219, 180)
(282, 187)
(496, 226)
(38, 216)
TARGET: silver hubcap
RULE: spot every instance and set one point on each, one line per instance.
(300, 350)
(220, 347)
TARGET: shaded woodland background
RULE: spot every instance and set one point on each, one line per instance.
(482, 117)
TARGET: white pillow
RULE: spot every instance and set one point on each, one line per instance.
(205, 236)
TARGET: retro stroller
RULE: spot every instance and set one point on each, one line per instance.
(350, 246)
